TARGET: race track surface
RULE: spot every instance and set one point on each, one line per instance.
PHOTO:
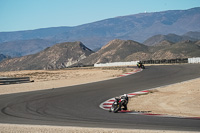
(79, 105)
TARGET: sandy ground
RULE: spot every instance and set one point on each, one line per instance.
(182, 99)
(58, 78)
(9, 128)
(178, 99)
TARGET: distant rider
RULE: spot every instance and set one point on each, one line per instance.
(139, 64)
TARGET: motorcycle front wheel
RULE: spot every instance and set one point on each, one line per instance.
(117, 108)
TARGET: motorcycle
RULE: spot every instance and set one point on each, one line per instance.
(117, 104)
(140, 66)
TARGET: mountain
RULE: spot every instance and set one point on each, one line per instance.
(70, 54)
(169, 37)
(58, 56)
(2, 57)
(183, 49)
(24, 47)
(136, 27)
(193, 34)
(115, 51)
(127, 50)
(198, 43)
(44, 33)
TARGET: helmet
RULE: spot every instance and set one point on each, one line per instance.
(125, 95)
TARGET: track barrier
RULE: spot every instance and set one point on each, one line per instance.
(116, 64)
(163, 61)
(6, 81)
(194, 60)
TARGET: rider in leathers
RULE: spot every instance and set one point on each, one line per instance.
(124, 101)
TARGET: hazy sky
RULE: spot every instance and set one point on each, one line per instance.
(32, 14)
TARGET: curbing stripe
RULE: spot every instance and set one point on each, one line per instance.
(133, 72)
(107, 104)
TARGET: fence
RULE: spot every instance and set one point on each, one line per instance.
(6, 81)
(164, 61)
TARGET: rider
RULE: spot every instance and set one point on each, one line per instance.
(139, 64)
(124, 101)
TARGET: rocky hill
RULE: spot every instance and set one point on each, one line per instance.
(122, 50)
(115, 51)
(168, 50)
(70, 54)
(136, 27)
(154, 40)
(58, 56)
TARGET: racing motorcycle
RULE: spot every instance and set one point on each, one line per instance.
(140, 65)
(117, 104)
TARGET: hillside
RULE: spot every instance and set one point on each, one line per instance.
(184, 49)
(70, 54)
(193, 34)
(136, 27)
(115, 51)
(122, 50)
(58, 56)
(154, 40)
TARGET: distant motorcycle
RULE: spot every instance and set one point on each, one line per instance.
(140, 65)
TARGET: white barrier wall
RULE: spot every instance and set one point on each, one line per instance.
(194, 60)
(116, 64)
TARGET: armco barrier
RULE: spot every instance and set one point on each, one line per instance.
(6, 81)
(194, 60)
(116, 64)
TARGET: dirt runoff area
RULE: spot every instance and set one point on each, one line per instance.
(48, 79)
(181, 99)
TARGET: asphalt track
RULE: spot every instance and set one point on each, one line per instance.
(79, 105)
